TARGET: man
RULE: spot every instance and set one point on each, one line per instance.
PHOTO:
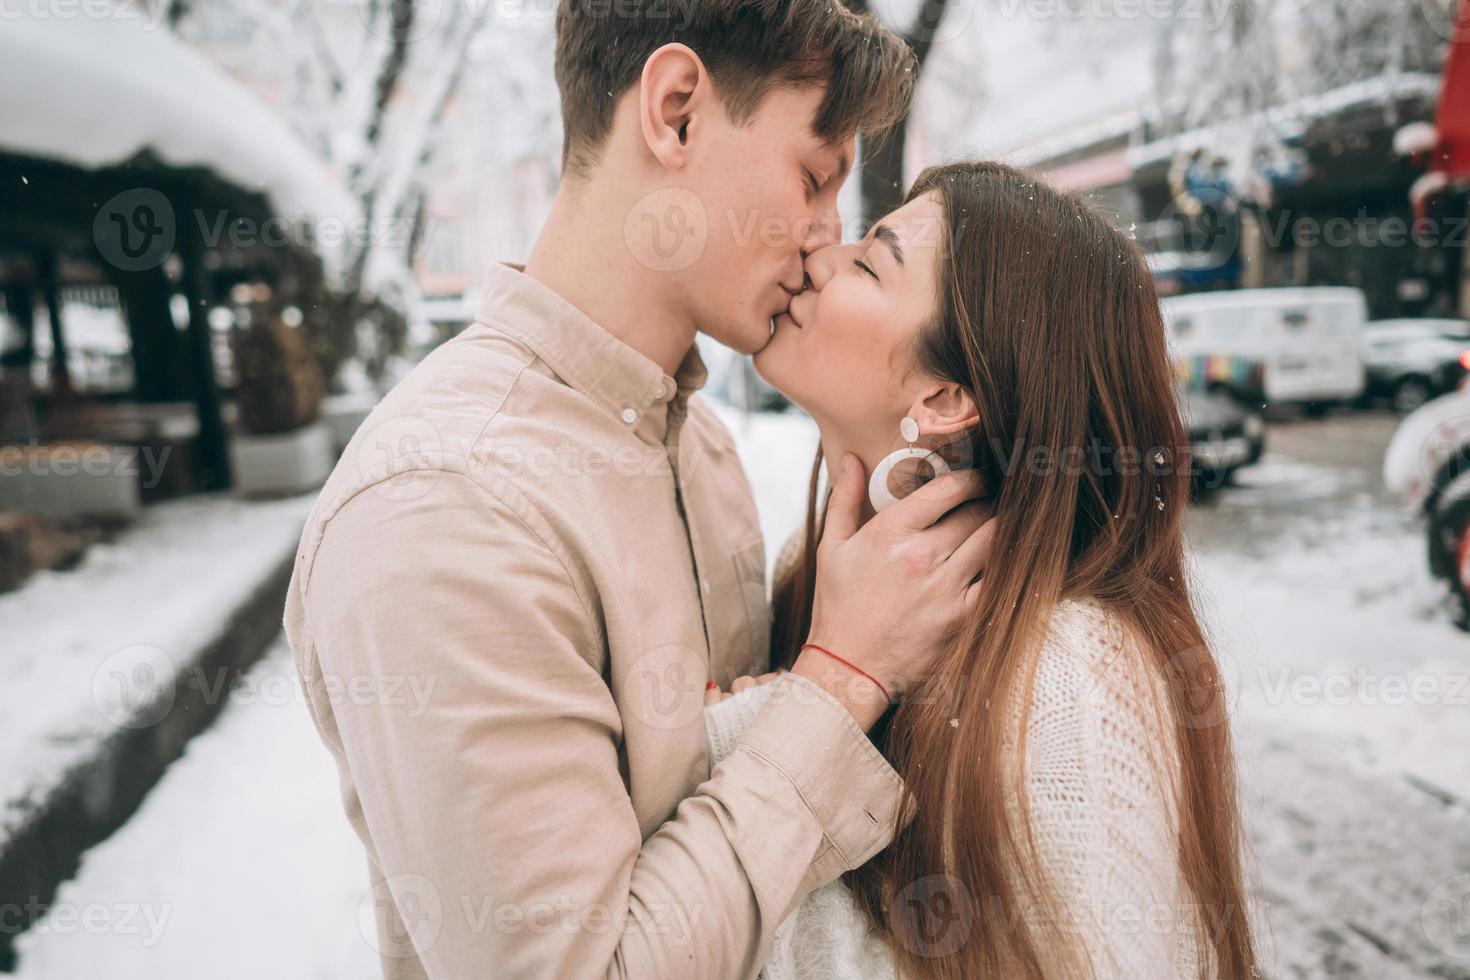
(540, 529)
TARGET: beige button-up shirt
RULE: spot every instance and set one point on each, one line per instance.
(506, 604)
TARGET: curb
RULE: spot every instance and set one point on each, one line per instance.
(92, 799)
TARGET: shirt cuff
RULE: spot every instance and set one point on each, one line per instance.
(854, 794)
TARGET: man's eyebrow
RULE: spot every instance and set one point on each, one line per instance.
(842, 166)
(889, 237)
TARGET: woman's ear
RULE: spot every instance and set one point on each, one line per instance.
(674, 82)
(945, 409)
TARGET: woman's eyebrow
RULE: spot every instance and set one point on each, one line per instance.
(889, 237)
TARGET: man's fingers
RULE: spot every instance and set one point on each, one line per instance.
(955, 528)
(845, 506)
(968, 560)
(934, 499)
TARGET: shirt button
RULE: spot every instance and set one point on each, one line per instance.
(630, 416)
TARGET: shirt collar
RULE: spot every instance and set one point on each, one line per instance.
(628, 384)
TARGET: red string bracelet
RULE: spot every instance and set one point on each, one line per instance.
(851, 666)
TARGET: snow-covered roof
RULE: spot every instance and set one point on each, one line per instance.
(1292, 118)
(96, 91)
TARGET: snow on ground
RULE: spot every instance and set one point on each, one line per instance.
(240, 863)
(85, 647)
(1355, 779)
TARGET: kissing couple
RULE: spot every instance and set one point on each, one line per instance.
(974, 729)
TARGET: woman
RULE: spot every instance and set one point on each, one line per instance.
(1069, 760)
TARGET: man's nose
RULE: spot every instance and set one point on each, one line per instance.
(825, 229)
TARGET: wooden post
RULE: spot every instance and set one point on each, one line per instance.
(161, 363)
(61, 390)
(20, 300)
(211, 453)
(17, 412)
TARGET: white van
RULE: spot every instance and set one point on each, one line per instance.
(1294, 345)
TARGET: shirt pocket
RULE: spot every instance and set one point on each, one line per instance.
(750, 578)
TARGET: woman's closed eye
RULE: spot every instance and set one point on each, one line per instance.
(867, 268)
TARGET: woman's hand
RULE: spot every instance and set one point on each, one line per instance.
(713, 694)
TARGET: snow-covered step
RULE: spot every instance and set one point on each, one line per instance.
(240, 863)
(110, 668)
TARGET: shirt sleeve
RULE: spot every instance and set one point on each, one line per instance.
(495, 805)
(725, 721)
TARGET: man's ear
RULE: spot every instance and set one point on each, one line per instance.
(945, 409)
(673, 87)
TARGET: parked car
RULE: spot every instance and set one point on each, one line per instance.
(1224, 435)
(1286, 346)
(1411, 361)
(1427, 465)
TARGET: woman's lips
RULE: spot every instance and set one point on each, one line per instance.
(791, 315)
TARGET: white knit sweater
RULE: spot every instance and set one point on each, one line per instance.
(1098, 764)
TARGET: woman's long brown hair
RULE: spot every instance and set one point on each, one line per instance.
(1048, 315)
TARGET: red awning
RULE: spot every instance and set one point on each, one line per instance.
(1452, 156)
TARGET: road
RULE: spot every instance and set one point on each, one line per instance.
(1356, 781)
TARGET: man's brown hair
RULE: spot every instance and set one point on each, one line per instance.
(748, 47)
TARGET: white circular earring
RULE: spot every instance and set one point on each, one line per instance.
(878, 491)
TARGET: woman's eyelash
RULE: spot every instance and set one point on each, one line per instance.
(864, 266)
(811, 180)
